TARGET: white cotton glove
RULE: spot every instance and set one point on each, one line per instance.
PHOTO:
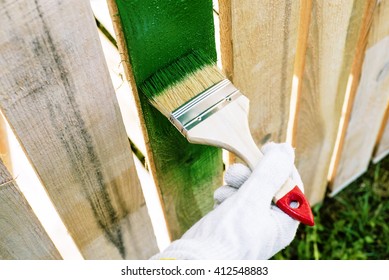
(244, 224)
(234, 177)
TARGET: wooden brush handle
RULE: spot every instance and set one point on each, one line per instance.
(229, 129)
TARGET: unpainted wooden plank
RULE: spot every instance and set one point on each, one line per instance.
(258, 45)
(56, 93)
(369, 106)
(351, 88)
(37, 197)
(334, 30)
(22, 236)
(185, 174)
(382, 149)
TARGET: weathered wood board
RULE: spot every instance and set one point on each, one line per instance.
(22, 237)
(56, 93)
(258, 45)
(382, 148)
(334, 30)
(369, 106)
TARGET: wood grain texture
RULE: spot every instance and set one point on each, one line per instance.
(22, 236)
(150, 37)
(258, 44)
(369, 106)
(133, 128)
(56, 93)
(332, 42)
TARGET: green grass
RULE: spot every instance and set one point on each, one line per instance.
(352, 225)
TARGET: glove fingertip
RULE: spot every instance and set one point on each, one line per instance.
(223, 193)
(236, 175)
(275, 166)
(282, 147)
(268, 147)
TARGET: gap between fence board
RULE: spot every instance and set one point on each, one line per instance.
(123, 94)
(122, 88)
(132, 124)
(332, 42)
(100, 10)
(258, 46)
(368, 109)
(22, 236)
(77, 143)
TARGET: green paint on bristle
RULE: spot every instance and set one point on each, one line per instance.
(184, 79)
(176, 72)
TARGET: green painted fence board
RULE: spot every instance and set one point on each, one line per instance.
(152, 34)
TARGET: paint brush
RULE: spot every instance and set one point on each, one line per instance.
(208, 109)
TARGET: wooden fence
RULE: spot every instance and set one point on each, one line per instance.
(316, 73)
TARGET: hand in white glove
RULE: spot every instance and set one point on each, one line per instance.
(244, 223)
(234, 177)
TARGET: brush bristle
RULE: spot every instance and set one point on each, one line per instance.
(184, 79)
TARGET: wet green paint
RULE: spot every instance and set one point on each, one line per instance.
(173, 73)
(158, 33)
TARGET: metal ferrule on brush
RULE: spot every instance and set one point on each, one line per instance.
(204, 105)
